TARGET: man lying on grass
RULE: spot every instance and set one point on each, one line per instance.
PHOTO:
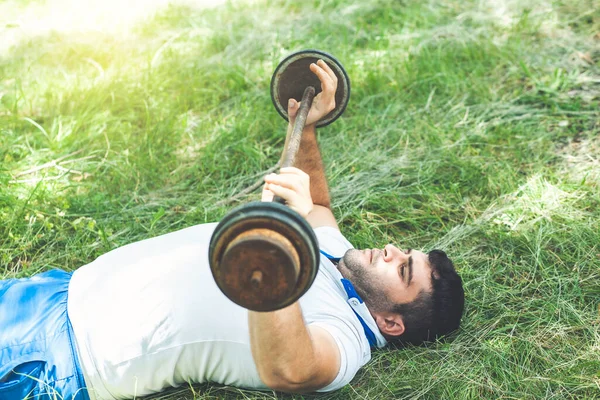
(149, 316)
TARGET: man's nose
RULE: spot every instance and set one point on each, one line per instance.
(391, 252)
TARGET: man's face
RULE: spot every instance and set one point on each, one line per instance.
(388, 276)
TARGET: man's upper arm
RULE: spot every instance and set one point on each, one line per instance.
(321, 216)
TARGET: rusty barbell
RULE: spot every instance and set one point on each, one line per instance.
(263, 255)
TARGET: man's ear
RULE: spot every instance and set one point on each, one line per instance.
(390, 324)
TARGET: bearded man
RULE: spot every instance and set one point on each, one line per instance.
(149, 316)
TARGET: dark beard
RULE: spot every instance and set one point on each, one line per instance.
(353, 267)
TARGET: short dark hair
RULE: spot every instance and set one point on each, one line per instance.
(437, 313)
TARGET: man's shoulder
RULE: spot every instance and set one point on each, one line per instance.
(332, 241)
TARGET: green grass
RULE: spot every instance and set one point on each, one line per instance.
(473, 127)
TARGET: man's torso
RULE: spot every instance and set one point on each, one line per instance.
(149, 315)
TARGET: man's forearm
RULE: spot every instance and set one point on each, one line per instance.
(310, 161)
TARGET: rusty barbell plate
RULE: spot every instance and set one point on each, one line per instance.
(293, 75)
(259, 269)
(233, 276)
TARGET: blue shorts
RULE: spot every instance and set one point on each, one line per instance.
(38, 356)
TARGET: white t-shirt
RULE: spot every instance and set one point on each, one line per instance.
(149, 315)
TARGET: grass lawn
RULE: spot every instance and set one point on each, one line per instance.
(473, 127)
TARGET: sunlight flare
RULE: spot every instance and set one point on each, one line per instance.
(22, 22)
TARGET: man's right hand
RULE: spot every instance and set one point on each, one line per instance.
(324, 102)
(293, 185)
